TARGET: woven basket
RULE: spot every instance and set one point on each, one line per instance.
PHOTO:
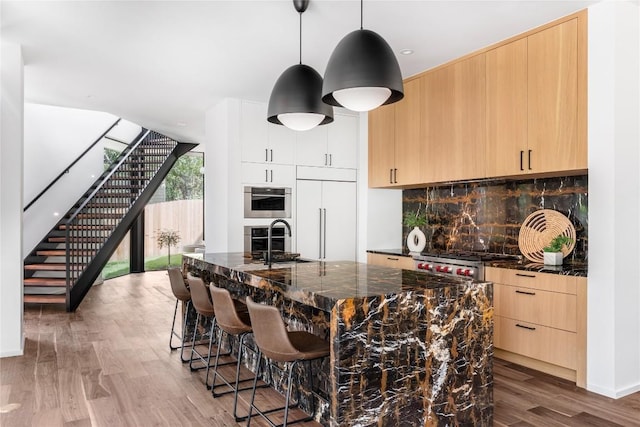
(539, 228)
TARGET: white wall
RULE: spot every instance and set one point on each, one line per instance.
(11, 191)
(613, 354)
(223, 215)
(53, 138)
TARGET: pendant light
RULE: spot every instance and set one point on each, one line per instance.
(362, 73)
(295, 100)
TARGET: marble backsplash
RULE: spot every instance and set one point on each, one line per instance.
(486, 216)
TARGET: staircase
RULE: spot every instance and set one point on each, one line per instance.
(64, 265)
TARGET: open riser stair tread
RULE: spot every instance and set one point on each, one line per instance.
(45, 299)
(45, 281)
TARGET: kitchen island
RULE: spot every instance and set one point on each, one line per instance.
(407, 348)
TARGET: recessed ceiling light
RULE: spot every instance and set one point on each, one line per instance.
(181, 124)
(406, 51)
(56, 214)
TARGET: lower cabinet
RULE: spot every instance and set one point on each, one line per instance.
(326, 220)
(540, 321)
(393, 261)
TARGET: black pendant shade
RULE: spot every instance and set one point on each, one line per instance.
(295, 100)
(298, 90)
(362, 59)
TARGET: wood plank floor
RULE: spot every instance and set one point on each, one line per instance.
(108, 364)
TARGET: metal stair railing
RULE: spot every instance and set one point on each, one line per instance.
(94, 221)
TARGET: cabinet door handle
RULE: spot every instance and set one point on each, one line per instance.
(266, 155)
(271, 175)
(525, 293)
(320, 234)
(521, 154)
(529, 159)
(395, 176)
(393, 259)
(325, 234)
(325, 159)
(271, 155)
(330, 160)
(525, 327)
(390, 176)
(266, 175)
(526, 275)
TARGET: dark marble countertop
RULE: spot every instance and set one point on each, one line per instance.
(321, 284)
(571, 268)
(567, 269)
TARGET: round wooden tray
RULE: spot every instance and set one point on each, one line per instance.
(539, 228)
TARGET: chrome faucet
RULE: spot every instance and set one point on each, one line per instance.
(269, 256)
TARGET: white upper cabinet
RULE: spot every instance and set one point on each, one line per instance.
(311, 147)
(343, 142)
(264, 142)
(332, 145)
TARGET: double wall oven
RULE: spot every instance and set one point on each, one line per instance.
(267, 203)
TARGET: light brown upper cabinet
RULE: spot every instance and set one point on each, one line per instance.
(453, 121)
(408, 142)
(536, 109)
(513, 109)
(507, 109)
(381, 146)
(394, 140)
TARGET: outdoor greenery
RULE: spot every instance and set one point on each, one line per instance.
(110, 156)
(184, 181)
(167, 238)
(120, 268)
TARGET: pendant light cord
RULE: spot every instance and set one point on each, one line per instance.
(300, 35)
(361, 14)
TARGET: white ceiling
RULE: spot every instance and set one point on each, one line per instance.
(162, 64)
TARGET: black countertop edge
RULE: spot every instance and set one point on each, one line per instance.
(567, 269)
(396, 252)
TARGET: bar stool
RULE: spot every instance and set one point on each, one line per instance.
(181, 292)
(232, 319)
(279, 345)
(204, 308)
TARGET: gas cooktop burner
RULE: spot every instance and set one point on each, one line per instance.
(458, 263)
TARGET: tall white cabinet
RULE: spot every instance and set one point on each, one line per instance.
(326, 219)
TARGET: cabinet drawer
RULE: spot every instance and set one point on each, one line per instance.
(545, 308)
(538, 342)
(533, 280)
(404, 262)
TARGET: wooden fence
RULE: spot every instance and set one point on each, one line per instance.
(184, 216)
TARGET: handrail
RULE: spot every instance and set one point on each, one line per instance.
(66, 171)
(99, 186)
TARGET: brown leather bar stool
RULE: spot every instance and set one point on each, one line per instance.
(181, 292)
(204, 308)
(280, 345)
(232, 319)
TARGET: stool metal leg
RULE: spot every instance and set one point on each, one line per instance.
(253, 390)
(184, 330)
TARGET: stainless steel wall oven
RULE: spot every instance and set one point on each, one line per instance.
(255, 239)
(267, 202)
